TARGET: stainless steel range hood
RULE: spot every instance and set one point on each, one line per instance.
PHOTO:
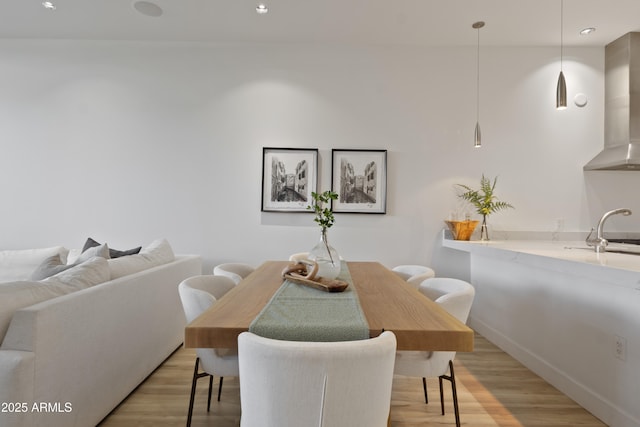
(622, 106)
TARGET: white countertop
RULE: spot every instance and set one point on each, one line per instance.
(550, 251)
(550, 302)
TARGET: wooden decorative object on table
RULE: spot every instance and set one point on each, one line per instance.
(462, 230)
(304, 272)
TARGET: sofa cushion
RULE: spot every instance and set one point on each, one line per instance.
(113, 253)
(19, 264)
(156, 253)
(20, 294)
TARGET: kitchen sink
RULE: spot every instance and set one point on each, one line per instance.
(625, 241)
(620, 251)
(617, 248)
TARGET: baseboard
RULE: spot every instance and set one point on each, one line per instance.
(599, 406)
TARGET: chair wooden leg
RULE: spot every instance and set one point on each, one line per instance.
(455, 394)
(193, 391)
(194, 381)
(220, 388)
(209, 397)
(424, 386)
(441, 394)
(451, 378)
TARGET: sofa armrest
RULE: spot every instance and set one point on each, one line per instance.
(17, 369)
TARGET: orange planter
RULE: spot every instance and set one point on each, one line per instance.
(462, 230)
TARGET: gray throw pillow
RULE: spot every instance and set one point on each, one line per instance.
(113, 253)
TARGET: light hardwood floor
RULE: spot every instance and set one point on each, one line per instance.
(493, 390)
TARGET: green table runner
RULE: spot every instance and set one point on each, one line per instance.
(300, 313)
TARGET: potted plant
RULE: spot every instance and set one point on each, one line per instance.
(323, 253)
(324, 215)
(484, 200)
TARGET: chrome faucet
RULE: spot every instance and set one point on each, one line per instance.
(599, 243)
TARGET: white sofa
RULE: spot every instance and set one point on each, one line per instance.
(69, 360)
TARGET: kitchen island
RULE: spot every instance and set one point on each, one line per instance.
(567, 313)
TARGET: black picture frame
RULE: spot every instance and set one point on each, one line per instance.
(359, 177)
(289, 175)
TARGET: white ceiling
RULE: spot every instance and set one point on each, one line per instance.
(359, 22)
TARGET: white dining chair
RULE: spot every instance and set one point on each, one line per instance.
(197, 294)
(456, 297)
(315, 384)
(236, 271)
(414, 274)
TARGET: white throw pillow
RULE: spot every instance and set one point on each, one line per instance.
(89, 273)
(100, 250)
(73, 255)
(156, 253)
(49, 267)
(54, 265)
(159, 251)
(18, 265)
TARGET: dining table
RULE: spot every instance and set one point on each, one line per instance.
(388, 303)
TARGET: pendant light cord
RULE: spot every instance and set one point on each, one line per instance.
(478, 79)
(561, 32)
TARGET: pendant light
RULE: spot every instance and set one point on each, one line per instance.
(477, 136)
(561, 88)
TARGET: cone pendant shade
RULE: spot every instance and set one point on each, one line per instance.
(477, 137)
(561, 93)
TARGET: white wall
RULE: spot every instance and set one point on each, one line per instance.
(126, 142)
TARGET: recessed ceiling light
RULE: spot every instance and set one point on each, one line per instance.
(261, 9)
(148, 9)
(587, 31)
(48, 5)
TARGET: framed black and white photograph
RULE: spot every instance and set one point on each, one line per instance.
(360, 179)
(289, 175)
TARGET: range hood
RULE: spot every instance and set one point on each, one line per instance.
(622, 106)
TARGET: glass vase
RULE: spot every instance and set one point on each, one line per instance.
(326, 257)
(484, 231)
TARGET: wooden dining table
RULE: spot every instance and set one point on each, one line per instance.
(387, 301)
